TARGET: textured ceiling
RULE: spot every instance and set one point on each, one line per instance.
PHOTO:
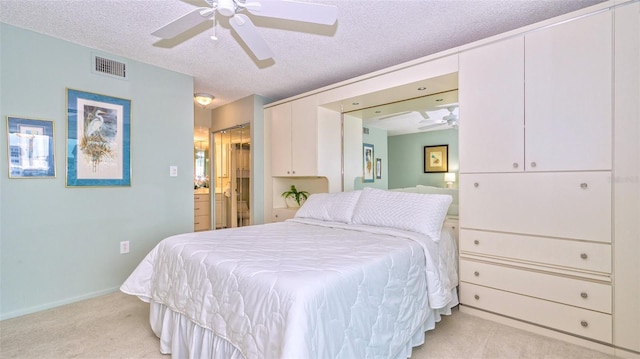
(368, 36)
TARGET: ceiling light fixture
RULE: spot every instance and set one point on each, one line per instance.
(204, 99)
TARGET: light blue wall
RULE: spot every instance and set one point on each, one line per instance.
(378, 138)
(58, 244)
(406, 158)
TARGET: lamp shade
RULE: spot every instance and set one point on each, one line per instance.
(204, 99)
(450, 177)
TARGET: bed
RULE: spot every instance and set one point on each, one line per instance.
(353, 275)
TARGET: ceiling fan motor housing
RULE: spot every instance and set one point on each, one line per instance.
(227, 7)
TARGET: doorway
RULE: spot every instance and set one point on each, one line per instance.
(232, 173)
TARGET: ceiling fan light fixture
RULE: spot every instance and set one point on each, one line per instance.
(203, 99)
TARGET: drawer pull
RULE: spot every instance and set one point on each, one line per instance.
(584, 256)
(515, 165)
(533, 164)
(476, 273)
(584, 185)
(584, 295)
(197, 208)
(584, 323)
(476, 297)
(476, 184)
(476, 242)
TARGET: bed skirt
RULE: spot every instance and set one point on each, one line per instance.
(182, 338)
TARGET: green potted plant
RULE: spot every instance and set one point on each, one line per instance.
(294, 195)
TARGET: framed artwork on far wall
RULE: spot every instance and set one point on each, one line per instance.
(98, 140)
(367, 163)
(378, 168)
(31, 148)
(436, 159)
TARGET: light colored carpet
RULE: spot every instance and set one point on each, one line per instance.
(117, 326)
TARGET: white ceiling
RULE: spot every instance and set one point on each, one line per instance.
(369, 35)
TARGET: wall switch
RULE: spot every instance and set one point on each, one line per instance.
(173, 171)
(124, 247)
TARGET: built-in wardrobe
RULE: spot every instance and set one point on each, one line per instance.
(549, 154)
(549, 179)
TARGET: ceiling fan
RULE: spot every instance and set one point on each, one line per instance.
(451, 120)
(243, 26)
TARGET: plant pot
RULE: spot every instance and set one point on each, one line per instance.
(291, 202)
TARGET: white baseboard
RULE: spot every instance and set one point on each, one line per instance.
(39, 308)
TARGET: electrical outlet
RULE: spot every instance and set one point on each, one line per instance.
(124, 247)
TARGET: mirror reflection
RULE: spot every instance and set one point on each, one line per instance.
(399, 133)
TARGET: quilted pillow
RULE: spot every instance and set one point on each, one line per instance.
(422, 213)
(336, 207)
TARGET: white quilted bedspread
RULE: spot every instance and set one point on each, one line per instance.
(300, 288)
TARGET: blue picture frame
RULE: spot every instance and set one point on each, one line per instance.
(368, 164)
(31, 148)
(98, 140)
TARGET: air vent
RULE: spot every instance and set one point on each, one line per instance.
(365, 130)
(103, 65)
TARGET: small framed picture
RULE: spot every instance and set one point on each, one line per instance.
(367, 163)
(31, 148)
(98, 140)
(436, 159)
(378, 168)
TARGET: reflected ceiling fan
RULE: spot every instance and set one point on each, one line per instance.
(451, 120)
(242, 24)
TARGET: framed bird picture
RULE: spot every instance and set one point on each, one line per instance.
(98, 140)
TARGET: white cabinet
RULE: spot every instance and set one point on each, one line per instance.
(294, 138)
(627, 178)
(535, 178)
(539, 102)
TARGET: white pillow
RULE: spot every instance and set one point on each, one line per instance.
(453, 208)
(336, 207)
(422, 213)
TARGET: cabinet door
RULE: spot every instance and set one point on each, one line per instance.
(573, 205)
(491, 132)
(568, 95)
(280, 119)
(304, 137)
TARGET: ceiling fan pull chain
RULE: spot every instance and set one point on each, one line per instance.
(214, 37)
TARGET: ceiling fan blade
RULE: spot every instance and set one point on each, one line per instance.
(295, 10)
(394, 115)
(184, 23)
(430, 126)
(249, 34)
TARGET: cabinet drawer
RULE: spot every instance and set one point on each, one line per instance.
(576, 292)
(201, 223)
(540, 250)
(281, 214)
(578, 321)
(556, 204)
(201, 208)
(201, 197)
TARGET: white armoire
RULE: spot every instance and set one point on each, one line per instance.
(550, 179)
